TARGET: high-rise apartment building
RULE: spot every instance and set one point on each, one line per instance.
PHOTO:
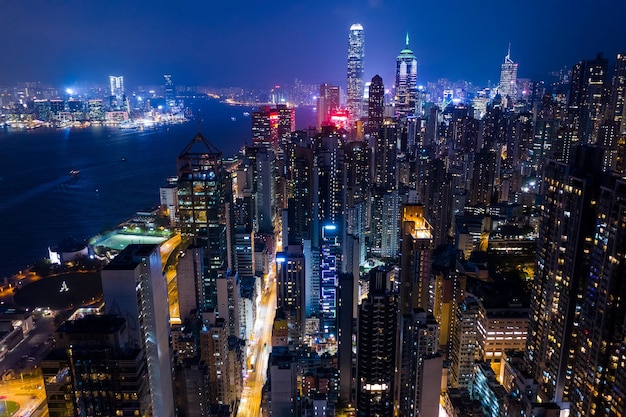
(376, 347)
(290, 286)
(415, 291)
(587, 100)
(599, 369)
(214, 353)
(406, 81)
(566, 240)
(356, 83)
(420, 365)
(375, 105)
(468, 341)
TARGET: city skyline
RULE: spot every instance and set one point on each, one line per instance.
(455, 41)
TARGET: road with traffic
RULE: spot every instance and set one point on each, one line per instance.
(250, 404)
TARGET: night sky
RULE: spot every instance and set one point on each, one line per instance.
(257, 43)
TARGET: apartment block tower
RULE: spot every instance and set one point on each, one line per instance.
(599, 367)
(566, 239)
(415, 260)
(376, 347)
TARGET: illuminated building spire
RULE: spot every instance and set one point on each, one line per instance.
(407, 39)
(507, 58)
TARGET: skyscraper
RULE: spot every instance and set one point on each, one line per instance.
(508, 77)
(170, 91)
(406, 81)
(117, 97)
(355, 71)
(376, 347)
(376, 105)
(566, 236)
(599, 381)
(327, 102)
(134, 288)
(202, 189)
(415, 259)
(96, 345)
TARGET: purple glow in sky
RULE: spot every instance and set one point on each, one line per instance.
(262, 43)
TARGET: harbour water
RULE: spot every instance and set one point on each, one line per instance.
(120, 172)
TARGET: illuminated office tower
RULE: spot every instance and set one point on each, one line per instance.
(327, 102)
(355, 71)
(376, 347)
(566, 239)
(95, 110)
(170, 90)
(330, 267)
(117, 86)
(415, 260)
(406, 81)
(42, 110)
(286, 122)
(261, 128)
(118, 96)
(134, 288)
(272, 126)
(202, 211)
(376, 105)
(508, 78)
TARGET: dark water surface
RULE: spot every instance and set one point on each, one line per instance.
(41, 203)
(120, 172)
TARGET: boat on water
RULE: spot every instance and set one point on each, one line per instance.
(74, 172)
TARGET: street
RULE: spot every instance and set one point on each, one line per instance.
(250, 404)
